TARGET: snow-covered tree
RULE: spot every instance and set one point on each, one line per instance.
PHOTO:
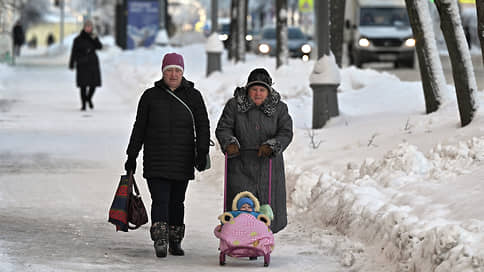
(462, 69)
(480, 23)
(233, 30)
(282, 52)
(241, 30)
(431, 73)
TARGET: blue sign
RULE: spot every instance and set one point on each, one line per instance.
(143, 23)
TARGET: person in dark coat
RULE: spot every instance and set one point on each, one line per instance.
(18, 37)
(86, 62)
(164, 127)
(255, 126)
(50, 39)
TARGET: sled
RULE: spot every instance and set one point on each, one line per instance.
(245, 236)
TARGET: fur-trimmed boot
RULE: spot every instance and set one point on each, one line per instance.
(159, 234)
(175, 237)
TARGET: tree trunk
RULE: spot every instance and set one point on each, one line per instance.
(462, 69)
(214, 16)
(480, 23)
(321, 12)
(241, 30)
(232, 41)
(337, 18)
(282, 53)
(431, 72)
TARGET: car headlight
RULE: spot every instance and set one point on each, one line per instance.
(249, 37)
(364, 42)
(306, 48)
(223, 37)
(264, 48)
(410, 42)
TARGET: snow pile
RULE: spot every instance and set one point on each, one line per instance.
(325, 71)
(390, 205)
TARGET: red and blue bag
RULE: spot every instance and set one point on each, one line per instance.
(127, 207)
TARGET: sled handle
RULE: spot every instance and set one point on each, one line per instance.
(225, 184)
(270, 180)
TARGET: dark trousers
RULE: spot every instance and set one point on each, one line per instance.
(86, 95)
(167, 198)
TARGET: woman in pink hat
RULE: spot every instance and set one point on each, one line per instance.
(170, 115)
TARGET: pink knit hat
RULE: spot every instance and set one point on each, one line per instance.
(172, 60)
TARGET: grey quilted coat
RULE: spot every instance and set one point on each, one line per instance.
(250, 126)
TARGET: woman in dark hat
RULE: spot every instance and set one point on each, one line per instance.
(86, 62)
(255, 126)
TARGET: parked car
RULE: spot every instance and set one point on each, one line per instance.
(298, 43)
(225, 36)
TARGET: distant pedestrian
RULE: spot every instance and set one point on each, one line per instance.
(18, 37)
(86, 62)
(50, 39)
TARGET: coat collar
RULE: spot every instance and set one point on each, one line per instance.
(244, 103)
(185, 85)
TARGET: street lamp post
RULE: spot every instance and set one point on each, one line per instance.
(324, 79)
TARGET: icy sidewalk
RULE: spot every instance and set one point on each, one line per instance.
(59, 171)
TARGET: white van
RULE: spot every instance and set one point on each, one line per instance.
(379, 31)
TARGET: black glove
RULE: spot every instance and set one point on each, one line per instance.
(201, 162)
(130, 165)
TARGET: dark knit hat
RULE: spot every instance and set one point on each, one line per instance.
(259, 76)
(172, 60)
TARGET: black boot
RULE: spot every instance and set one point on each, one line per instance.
(175, 237)
(83, 98)
(159, 234)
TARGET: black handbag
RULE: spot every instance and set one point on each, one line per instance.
(137, 214)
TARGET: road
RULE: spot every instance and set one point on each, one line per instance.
(414, 74)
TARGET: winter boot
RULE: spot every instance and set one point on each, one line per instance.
(175, 237)
(159, 234)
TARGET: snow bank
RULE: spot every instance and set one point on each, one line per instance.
(392, 204)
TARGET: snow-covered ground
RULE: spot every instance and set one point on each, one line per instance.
(382, 187)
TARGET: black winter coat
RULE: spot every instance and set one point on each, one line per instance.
(84, 57)
(164, 128)
(18, 35)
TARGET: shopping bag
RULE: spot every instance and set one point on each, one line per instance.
(127, 207)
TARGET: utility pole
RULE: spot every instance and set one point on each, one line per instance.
(325, 79)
